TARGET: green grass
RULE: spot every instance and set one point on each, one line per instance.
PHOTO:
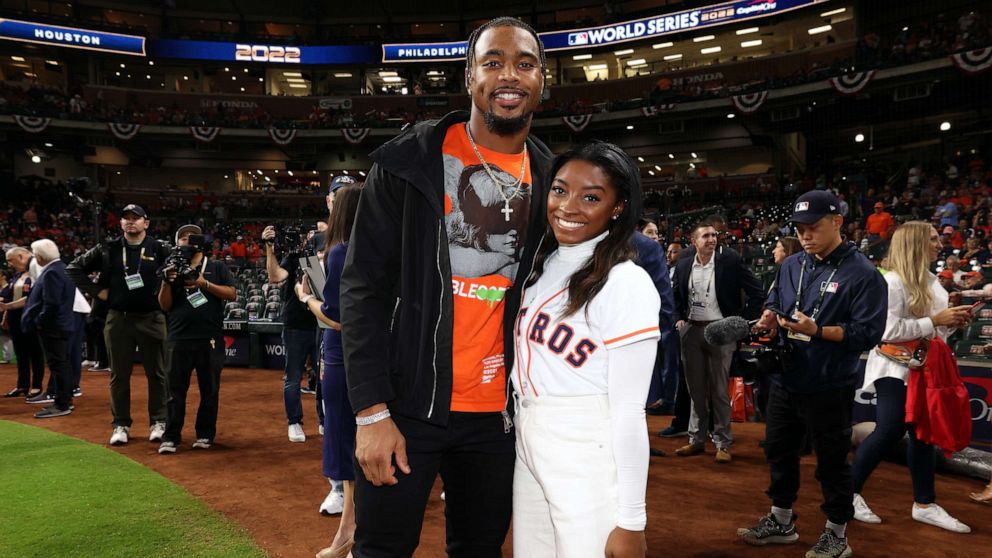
(60, 496)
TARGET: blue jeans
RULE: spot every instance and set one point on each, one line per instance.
(890, 427)
(298, 344)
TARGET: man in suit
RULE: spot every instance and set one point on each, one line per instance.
(49, 312)
(710, 286)
(651, 258)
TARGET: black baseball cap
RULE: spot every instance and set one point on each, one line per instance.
(340, 182)
(133, 208)
(813, 206)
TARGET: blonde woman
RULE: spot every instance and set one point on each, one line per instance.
(918, 309)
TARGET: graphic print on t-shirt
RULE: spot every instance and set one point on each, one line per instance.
(485, 252)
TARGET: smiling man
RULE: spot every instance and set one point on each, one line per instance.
(446, 232)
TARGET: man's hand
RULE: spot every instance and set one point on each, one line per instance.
(626, 544)
(375, 446)
(768, 322)
(199, 282)
(3, 306)
(269, 234)
(103, 294)
(803, 324)
(679, 325)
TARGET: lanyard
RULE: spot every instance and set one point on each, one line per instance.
(141, 256)
(823, 287)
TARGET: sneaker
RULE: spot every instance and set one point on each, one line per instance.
(120, 435)
(862, 512)
(689, 449)
(40, 399)
(723, 456)
(296, 433)
(333, 504)
(156, 432)
(52, 411)
(100, 367)
(769, 531)
(203, 443)
(673, 432)
(938, 517)
(308, 390)
(86, 363)
(830, 546)
(320, 429)
(167, 447)
(78, 392)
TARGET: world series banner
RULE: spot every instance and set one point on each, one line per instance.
(32, 124)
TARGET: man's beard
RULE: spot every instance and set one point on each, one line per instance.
(506, 126)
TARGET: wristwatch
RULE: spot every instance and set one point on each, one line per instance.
(819, 332)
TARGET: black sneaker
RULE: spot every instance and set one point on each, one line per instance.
(770, 531)
(52, 411)
(830, 546)
(40, 399)
(308, 390)
(673, 432)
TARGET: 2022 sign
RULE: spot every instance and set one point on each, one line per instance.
(267, 53)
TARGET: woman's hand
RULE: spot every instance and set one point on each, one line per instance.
(626, 544)
(956, 317)
(302, 289)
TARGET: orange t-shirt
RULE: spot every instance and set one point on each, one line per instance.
(879, 223)
(485, 242)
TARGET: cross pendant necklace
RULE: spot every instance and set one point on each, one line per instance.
(507, 210)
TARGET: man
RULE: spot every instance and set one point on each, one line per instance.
(27, 347)
(879, 223)
(299, 333)
(196, 338)
(673, 357)
(49, 312)
(953, 264)
(835, 302)
(710, 287)
(446, 232)
(946, 278)
(129, 284)
(664, 381)
(239, 251)
(672, 257)
(947, 212)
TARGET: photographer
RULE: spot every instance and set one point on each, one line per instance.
(128, 283)
(831, 303)
(193, 292)
(299, 334)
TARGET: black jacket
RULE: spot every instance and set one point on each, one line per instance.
(105, 257)
(49, 306)
(396, 290)
(738, 291)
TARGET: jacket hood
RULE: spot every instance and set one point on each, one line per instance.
(412, 156)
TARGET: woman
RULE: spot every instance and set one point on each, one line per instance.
(918, 309)
(27, 346)
(785, 247)
(648, 228)
(585, 343)
(339, 421)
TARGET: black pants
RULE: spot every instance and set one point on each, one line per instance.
(475, 459)
(96, 345)
(27, 348)
(208, 361)
(827, 417)
(683, 403)
(890, 427)
(56, 346)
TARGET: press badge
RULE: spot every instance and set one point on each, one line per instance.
(196, 299)
(698, 304)
(799, 336)
(134, 282)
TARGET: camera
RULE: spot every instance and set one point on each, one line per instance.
(759, 356)
(180, 257)
(290, 239)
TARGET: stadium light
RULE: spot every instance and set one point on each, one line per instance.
(820, 29)
(703, 38)
(945, 126)
(833, 12)
(598, 67)
(630, 126)
(35, 159)
(747, 31)
(710, 50)
(859, 138)
(671, 57)
(640, 159)
(636, 62)
(730, 115)
(21, 59)
(694, 156)
(749, 44)
(662, 45)
(671, 156)
(624, 52)
(582, 57)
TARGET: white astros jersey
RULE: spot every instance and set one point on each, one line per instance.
(568, 357)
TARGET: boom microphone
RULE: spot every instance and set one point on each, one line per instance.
(727, 331)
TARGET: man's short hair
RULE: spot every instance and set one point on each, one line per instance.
(45, 249)
(17, 250)
(503, 22)
(707, 222)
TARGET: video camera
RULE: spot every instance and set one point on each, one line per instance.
(759, 356)
(291, 239)
(180, 257)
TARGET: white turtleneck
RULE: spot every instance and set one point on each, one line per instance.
(607, 347)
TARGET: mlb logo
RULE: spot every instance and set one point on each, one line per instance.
(802, 206)
(578, 39)
(832, 287)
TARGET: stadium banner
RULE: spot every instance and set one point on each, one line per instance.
(335, 103)
(355, 136)
(72, 37)
(282, 136)
(123, 131)
(259, 52)
(973, 61)
(851, 84)
(578, 122)
(736, 11)
(237, 350)
(32, 124)
(206, 134)
(749, 103)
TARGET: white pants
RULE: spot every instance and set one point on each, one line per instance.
(565, 479)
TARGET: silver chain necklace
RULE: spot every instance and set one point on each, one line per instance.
(515, 185)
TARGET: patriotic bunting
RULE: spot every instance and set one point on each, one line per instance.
(281, 136)
(851, 84)
(123, 131)
(578, 122)
(206, 134)
(973, 61)
(750, 103)
(33, 124)
(355, 135)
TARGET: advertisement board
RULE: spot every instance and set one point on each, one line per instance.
(72, 37)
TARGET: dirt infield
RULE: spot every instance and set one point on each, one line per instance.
(273, 488)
